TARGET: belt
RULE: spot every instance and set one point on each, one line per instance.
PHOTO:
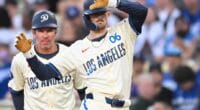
(112, 102)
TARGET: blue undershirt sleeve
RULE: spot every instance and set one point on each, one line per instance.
(43, 71)
(18, 99)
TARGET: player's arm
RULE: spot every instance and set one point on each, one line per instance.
(42, 71)
(137, 12)
(18, 99)
(79, 85)
(16, 85)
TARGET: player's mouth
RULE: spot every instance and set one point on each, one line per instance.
(45, 42)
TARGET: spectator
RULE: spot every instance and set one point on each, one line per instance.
(161, 105)
(5, 54)
(173, 59)
(6, 26)
(40, 5)
(13, 11)
(71, 26)
(167, 13)
(157, 75)
(186, 95)
(5, 62)
(146, 91)
(162, 102)
(138, 64)
(66, 33)
(61, 6)
(27, 22)
(183, 38)
(191, 11)
(138, 69)
(73, 14)
(150, 41)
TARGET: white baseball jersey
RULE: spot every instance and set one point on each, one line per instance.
(44, 95)
(106, 65)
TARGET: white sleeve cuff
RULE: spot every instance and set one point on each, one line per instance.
(113, 3)
(29, 54)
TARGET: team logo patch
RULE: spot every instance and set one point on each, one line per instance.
(114, 38)
(44, 17)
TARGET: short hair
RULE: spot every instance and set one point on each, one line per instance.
(155, 67)
(139, 57)
(184, 74)
(165, 95)
(182, 19)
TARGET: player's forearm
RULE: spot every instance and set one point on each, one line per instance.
(43, 71)
(137, 13)
(18, 99)
(132, 8)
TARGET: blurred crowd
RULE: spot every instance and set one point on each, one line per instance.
(166, 64)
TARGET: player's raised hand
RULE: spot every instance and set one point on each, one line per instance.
(22, 43)
(99, 4)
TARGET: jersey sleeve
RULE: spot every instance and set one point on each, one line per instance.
(126, 30)
(65, 61)
(78, 81)
(137, 13)
(17, 79)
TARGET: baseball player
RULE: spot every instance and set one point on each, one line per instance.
(29, 92)
(103, 58)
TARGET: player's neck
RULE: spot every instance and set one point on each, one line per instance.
(50, 50)
(97, 34)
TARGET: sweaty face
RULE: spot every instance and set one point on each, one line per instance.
(100, 19)
(44, 37)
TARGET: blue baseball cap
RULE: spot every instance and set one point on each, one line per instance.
(173, 52)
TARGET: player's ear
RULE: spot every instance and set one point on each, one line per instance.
(108, 13)
(56, 30)
(33, 32)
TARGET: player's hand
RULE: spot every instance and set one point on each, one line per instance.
(22, 43)
(99, 4)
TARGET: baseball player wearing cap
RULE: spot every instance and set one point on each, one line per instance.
(29, 92)
(103, 58)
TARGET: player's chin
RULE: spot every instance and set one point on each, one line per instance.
(101, 26)
(45, 47)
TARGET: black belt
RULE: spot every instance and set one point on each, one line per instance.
(112, 102)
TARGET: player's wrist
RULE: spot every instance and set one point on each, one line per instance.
(113, 3)
(29, 54)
